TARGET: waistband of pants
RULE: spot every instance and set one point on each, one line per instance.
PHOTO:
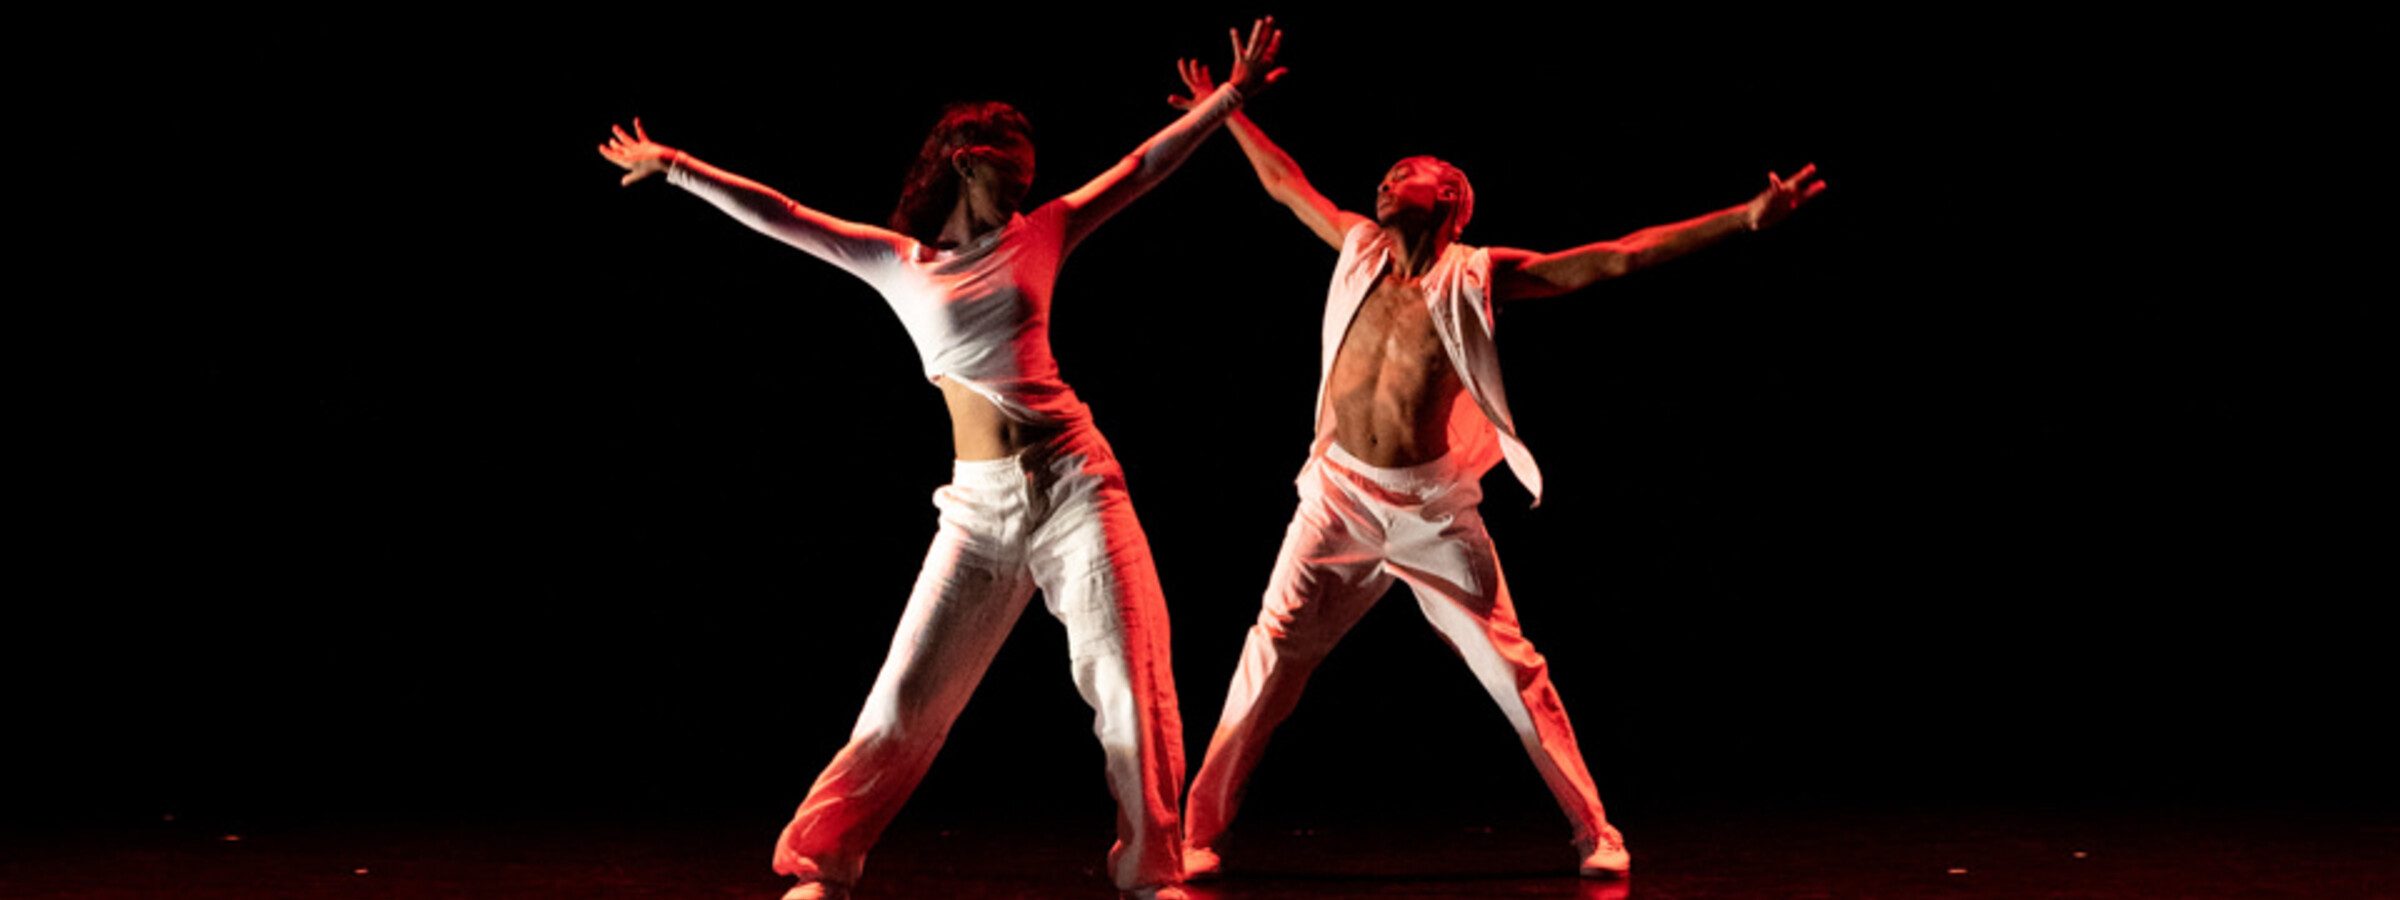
(1007, 471)
(1078, 442)
(1407, 480)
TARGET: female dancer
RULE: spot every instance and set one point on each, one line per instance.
(1036, 499)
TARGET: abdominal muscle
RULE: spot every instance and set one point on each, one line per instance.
(980, 431)
(1392, 386)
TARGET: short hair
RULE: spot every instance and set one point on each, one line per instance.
(994, 133)
(1464, 208)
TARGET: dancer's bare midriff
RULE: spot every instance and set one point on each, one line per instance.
(979, 430)
(1392, 385)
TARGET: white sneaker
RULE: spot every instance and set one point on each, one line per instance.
(818, 890)
(1608, 858)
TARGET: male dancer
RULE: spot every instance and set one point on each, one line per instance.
(1391, 485)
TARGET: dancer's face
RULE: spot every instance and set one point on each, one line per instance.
(1414, 193)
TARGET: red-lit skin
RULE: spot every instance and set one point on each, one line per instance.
(946, 634)
(978, 429)
(1392, 386)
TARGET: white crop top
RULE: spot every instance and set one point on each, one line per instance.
(978, 313)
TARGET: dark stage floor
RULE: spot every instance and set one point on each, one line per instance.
(1944, 854)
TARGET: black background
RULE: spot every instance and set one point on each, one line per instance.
(394, 458)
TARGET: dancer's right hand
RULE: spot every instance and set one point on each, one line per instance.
(637, 154)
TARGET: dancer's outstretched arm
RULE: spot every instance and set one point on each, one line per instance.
(1150, 163)
(1276, 170)
(850, 245)
(1518, 274)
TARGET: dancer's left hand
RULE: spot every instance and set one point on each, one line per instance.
(1196, 77)
(1782, 196)
(637, 154)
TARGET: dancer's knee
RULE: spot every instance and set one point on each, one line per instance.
(1531, 670)
(873, 741)
(1526, 665)
(1293, 643)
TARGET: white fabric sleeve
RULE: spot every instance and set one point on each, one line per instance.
(861, 250)
(1167, 149)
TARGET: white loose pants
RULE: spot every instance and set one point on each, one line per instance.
(1054, 518)
(1358, 528)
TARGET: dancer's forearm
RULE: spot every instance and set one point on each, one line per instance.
(849, 245)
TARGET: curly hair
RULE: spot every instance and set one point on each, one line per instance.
(995, 133)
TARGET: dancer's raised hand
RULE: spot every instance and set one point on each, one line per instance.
(1250, 60)
(1782, 196)
(637, 154)
(1254, 59)
(1196, 77)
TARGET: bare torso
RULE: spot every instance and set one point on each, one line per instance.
(979, 430)
(1392, 385)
